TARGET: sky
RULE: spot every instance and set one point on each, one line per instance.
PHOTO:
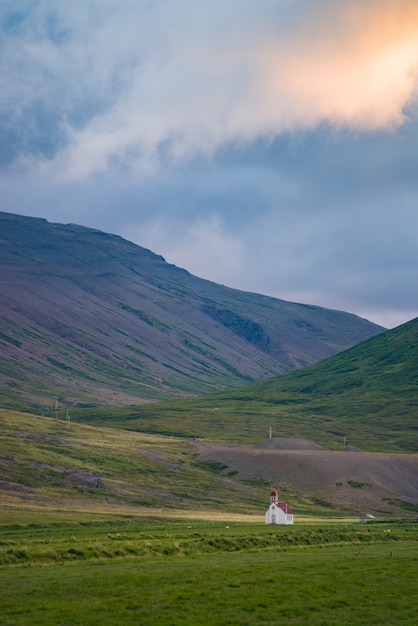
(266, 145)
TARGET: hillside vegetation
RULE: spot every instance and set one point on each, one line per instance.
(47, 463)
(54, 464)
(94, 330)
(172, 464)
(366, 396)
(96, 320)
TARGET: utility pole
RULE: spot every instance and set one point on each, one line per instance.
(56, 406)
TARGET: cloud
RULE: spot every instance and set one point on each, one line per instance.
(205, 244)
(351, 63)
(268, 145)
(94, 86)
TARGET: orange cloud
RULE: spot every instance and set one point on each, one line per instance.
(351, 63)
(254, 70)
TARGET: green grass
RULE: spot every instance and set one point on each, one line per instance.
(43, 458)
(205, 573)
(57, 539)
(367, 394)
(45, 462)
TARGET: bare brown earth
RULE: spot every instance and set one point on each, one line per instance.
(361, 481)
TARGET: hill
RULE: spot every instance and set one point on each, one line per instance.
(365, 397)
(49, 464)
(97, 320)
(360, 481)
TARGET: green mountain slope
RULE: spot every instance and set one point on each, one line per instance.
(366, 396)
(96, 320)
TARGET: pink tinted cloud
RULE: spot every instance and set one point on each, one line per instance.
(199, 85)
(351, 63)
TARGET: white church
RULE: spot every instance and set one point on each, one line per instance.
(278, 512)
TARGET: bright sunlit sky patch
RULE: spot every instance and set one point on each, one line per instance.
(268, 145)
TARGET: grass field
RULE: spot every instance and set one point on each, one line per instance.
(66, 569)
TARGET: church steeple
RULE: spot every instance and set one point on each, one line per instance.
(278, 512)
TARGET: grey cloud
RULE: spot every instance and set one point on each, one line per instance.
(169, 123)
(119, 82)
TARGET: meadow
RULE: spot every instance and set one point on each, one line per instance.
(91, 568)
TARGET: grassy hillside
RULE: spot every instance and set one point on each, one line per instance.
(46, 463)
(97, 320)
(367, 394)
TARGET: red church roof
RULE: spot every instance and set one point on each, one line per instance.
(284, 507)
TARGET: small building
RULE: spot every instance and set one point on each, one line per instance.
(366, 517)
(278, 512)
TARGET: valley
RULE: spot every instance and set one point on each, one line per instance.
(127, 383)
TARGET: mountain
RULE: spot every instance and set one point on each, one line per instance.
(363, 398)
(96, 320)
